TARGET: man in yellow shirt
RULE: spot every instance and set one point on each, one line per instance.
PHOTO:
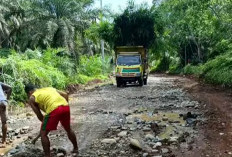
(55, 105)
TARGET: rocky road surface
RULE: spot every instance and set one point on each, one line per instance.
(167, 118)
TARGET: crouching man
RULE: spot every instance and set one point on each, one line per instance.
(55, 105)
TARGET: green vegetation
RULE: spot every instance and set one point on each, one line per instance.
(195, 39)
(47, 68)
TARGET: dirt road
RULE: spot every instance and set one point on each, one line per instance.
(171, 116)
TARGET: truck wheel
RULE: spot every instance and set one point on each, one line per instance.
(140, 82)
(118, 82)
(145, 81)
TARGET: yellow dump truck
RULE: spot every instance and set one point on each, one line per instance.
(131, 65)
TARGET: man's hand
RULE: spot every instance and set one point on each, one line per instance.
(35, 108)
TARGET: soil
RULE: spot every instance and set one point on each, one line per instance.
(171, 116)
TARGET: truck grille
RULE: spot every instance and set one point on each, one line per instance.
(128, 74)
(131, 70)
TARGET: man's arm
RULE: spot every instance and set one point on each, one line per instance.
(63, 94)
(7, 89)
(35, 108)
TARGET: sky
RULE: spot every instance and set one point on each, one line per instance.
(119, 5)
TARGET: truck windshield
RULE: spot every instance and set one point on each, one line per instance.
(128, 60)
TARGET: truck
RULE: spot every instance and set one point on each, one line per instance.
(131, 65)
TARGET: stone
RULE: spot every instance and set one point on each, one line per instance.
(17, 131)
(221, 133)
(60, 155)
(149, 137)
(62, 150)
(145, 154)
(135, 144)
(124, 128)
(157, 144)
(26, 128)
(146, 129)
(114, 127)
(122, 134)
(174, 139)
(109, 141)
(132, 128)
(155, 151)
(164, 150)
(165, 118)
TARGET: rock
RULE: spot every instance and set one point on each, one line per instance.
(122, 134)
(17, 131)
(132, 128)
(129, 122)
(146, 129)
(221, 133)
(157, 144)
(174, 139)
(114, 127)
(109, 141)
(62, 150)
(26, 128)
(145, 154)
(135, 144)
(60, 155)
(155, 151)
(149, 137)
(164, 150)
(124, 128)
(165, 118)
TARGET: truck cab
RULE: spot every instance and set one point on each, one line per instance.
(131, 65)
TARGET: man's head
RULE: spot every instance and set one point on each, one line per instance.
(29, 89)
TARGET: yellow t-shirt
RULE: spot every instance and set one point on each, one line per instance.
(49, 99)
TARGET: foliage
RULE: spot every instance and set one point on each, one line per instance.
(93, 66)
(191, 69)
(49, 23)
(51, 67)
(134, 27)
(219, 70)
(16, 71)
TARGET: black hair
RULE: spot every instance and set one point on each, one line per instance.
(29, 87)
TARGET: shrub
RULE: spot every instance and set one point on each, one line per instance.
(190, 69)
(219, 70)
(17, 72)
(52, 67)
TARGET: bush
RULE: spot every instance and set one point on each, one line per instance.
(191, 69)
(161, 65)
(52, 67)
(175, 66)
(17, 72)
(219, 70)
(92, 66)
